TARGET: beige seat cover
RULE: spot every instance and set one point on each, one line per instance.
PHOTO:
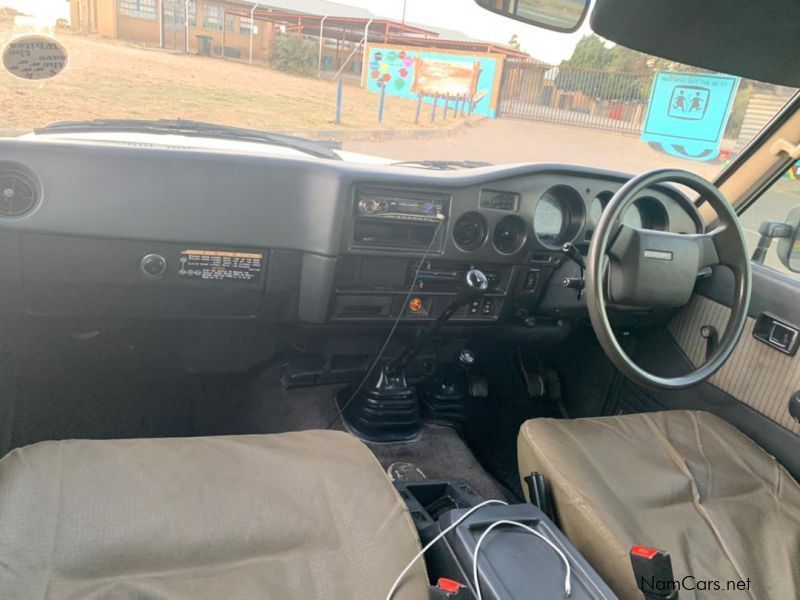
(292, 516)
(686, 482)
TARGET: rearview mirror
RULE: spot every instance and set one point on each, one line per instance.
(558, 15)
(789, 247)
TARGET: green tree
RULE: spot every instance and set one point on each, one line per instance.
(624, 69)
(514, 42)
(589, 53)
(294, 54)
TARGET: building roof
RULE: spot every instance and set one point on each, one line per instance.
(320, 7)
(306, 16)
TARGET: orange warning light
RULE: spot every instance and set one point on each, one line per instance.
(415, 305)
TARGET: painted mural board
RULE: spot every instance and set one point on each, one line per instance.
(688, 112)
(409, 72)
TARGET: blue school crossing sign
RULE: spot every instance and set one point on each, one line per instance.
(688, 112)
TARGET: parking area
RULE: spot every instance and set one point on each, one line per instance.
(515, 140)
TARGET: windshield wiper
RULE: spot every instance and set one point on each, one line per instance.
(443, 165)
(192, 129)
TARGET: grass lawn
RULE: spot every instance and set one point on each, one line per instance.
(111, 79)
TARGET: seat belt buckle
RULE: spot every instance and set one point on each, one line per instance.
(450, 589)
(653, 571)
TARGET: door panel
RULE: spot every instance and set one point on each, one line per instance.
(756, 374)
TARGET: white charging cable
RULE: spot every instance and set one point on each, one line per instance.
(476, 580)
(340, 410)
(427, 547)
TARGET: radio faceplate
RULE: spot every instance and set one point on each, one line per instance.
(424, 208)
(402, 221)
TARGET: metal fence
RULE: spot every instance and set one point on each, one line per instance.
(586, 97)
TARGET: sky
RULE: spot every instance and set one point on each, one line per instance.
(468, 17)
(59, 8)
(462, 15)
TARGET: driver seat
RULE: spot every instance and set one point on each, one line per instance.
(682, 481)
(290, 516)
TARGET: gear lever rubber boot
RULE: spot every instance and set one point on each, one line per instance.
(385, 409)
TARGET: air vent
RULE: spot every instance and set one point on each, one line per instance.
(509, 234)
(18, 192)
(469, 232)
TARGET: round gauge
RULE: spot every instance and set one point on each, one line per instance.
(632, 217)
(550, 218)
(646, 213)
(469, 231)
(558, 216)
(509, 234)
(599, 203)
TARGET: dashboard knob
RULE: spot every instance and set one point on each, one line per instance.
(153, 266)
(368, 206)
(466, 358)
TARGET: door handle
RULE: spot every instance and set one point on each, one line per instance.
(777, 333)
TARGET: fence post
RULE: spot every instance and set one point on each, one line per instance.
(381, 103)
(338, 102)
(446, 106)
(420, 96)
(433, 108)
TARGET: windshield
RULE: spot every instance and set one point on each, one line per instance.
(437, 85)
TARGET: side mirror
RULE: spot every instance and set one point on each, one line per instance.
(789, 246)
(557, 15)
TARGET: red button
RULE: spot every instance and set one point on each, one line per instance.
(644, 552)
(415, 305)
(448, 585)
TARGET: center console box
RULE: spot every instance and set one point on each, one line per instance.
(513, 564)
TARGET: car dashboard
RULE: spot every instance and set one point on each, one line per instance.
(116, 231)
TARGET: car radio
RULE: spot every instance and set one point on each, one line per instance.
(426, 209)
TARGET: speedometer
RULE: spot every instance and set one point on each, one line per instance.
(550, 219)
(558, 216)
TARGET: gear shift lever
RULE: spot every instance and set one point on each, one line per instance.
(474, 287)
(387, 408)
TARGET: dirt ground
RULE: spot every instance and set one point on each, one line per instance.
(504, 140)
(112, 79)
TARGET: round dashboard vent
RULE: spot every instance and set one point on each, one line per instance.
(469, 231)
(509, 234)
(18, 192)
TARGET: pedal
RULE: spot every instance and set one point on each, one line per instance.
(535, 384)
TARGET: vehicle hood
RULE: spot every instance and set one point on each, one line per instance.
(153, 140)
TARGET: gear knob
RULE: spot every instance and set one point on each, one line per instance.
(477, 281)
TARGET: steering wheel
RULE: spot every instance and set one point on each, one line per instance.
(657, 269)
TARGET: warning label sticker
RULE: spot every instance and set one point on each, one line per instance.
(221, 265)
